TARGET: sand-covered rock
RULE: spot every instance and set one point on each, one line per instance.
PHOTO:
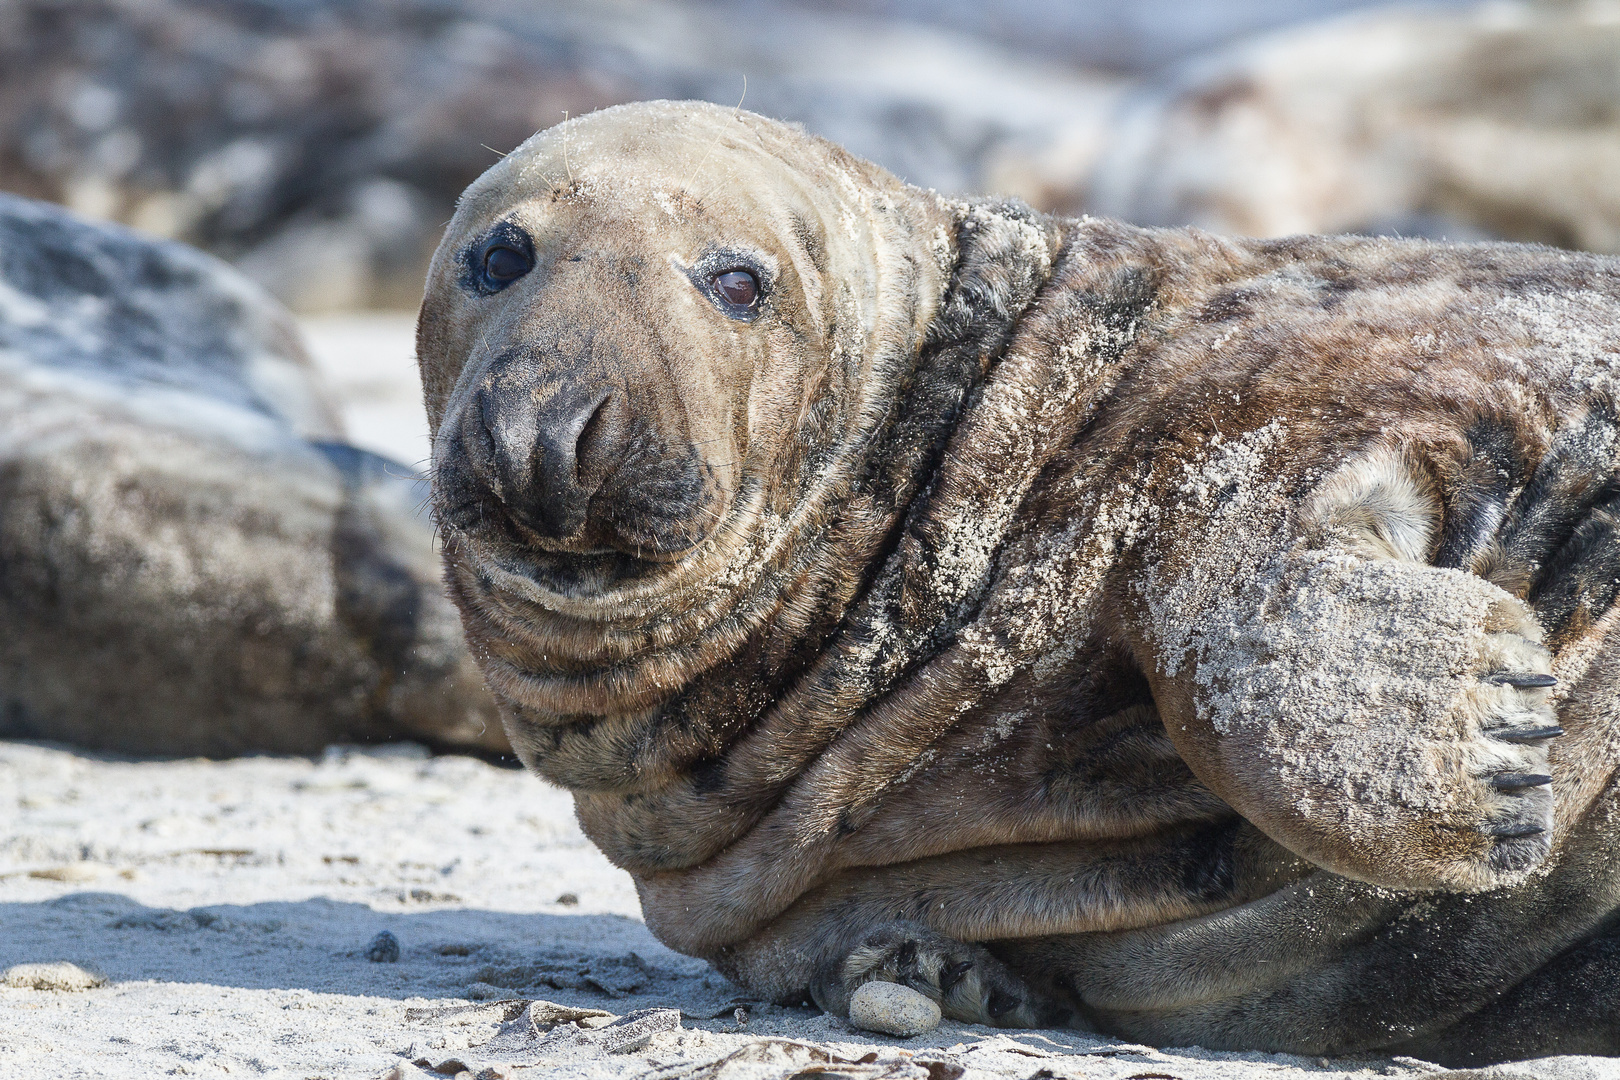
(892, 1009)
(192, 560)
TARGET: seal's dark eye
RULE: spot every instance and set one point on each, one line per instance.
(505, 264)
(737, 287)
(498, 258)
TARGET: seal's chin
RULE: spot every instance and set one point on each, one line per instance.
(586, 574)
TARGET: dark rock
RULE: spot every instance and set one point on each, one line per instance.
(384, 949)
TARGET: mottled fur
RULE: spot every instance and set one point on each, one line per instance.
(1132, 626)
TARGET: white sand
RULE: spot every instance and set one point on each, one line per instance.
(368, 360)
(230, 905)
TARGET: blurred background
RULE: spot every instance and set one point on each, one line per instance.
(319, 145)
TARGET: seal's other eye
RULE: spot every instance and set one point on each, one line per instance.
(738, 288)
(504, 264)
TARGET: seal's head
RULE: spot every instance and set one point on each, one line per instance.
(651, 335)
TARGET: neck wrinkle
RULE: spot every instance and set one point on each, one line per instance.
(743, 730)
(1005, 254)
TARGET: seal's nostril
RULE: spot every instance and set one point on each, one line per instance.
(489, 459)
(594, 449)
(544, 461)
(575, 463)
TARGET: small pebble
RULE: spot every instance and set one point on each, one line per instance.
(892, 1009)
(384, 949)
(568, 899)
(405, 1070)
(57, 976)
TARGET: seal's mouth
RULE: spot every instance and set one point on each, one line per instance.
(586, 477)
(643, 523)
(576, 574)
(580, 610)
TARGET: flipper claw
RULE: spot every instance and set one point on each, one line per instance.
(1523, 680)
(1517, 781)
(1529, 734)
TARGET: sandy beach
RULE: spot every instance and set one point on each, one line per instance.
(230, 907)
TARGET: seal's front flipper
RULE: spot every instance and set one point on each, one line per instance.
(1385, 719)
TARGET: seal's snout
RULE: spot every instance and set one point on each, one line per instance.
(576, 456)
(549, 455)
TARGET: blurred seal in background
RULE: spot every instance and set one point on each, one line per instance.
(192, 560)
(319, 146)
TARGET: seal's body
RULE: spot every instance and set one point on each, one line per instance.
(1073, 621)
